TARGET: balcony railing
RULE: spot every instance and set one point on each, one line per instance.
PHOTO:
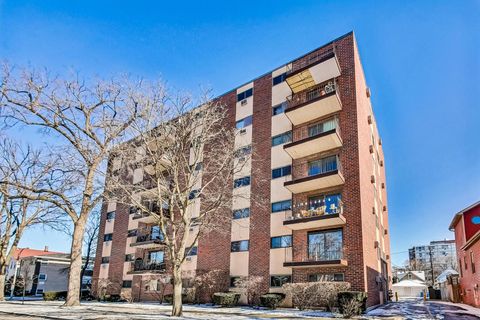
(316, 208)
(302, 64)
(315, 255)
(156, 237)
(140, 265)
(314, 93)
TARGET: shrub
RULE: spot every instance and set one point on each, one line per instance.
(352, 302)
(54, 295)
(271, 300)
(226, 299)
(168, 298)
(251, 286)
(315, 294)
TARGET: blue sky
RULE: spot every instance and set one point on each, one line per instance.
(421, 59)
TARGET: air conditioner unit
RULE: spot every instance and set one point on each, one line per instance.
(383, 185)
(369, 119)
(368, 92)
(373, 210)
(372, 179)
(376, 244)
(370, 148)
(381, 163)
(243, 102)
(385, 231)
(243, 131)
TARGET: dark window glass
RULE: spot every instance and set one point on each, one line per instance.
(132, 210)
(233, 281)
(282, 138)
(281, 242)
(280, 172)
(279, 79)
(105, 259)
(319, 277)
(132, 233)
(129, 257)
(241, 213)
(245, 94)
(241, 182)
(278, 281)
(279, 108)
(108, 237)
(192, 251)
(110, 215)
(243, 151)
(238, 246)
(193, 194)
(325, 245)
(245, 122)
(42, 276)
(322, 165)
(127, 284)
(282, 205)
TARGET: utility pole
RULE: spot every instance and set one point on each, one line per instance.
(430, 250)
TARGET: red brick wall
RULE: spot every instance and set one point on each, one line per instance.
(259, 250)
(98, 256)
(118, 243)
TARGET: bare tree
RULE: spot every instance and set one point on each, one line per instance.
(189, 163)
(19, 208)
(83, 121)
(90, 242)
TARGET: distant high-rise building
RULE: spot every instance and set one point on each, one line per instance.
(433, 258)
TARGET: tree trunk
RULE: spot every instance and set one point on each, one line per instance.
(2, 286)
(177, 291)
(73, 297)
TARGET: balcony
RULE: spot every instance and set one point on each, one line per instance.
(140, 266)
(320, 142)
(321, 215)
(319, 101)
(309, 72)
(148, 240)
(313, 256)
(327, 174)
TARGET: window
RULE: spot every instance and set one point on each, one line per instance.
(196, 167)
(472, 262)
(127, 284)
(105, 259)
(193, 194)
(460, 267)
(156, 233)
(245, 122)
(110, 215)
(241, 213)
(192, 251)
(281, 242)
(42, 277)
(282, 138)
(245, 94)
(319, 277)
(244, 151)
(132, 233)
(39, 291)
(278, 281)
(321, 127)
(241, 182)
(325, 245)
(281, 172)
(132, 210)
(233, 281)
(156, 257)
(465, 262)
(279, 79)
(107, 237)
(129, 257)
(322, 165)
(238, 246)
(279, 108)
(282, 206)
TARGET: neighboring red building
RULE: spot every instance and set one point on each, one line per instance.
(466, 225)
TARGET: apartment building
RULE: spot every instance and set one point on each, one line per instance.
(319, 164)
(433, 258)
(466, 225)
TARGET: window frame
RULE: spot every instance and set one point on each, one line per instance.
(245, 94)
(285, 137)
(105, 260)
(282, 107)
(272, 277)
(107, 237)
(239, 242)
(111, 214)
(40, 277)
(333, 274)
(243, 123)
(129, 282)
(324, 232)
(279, 79)
(244, 213)
(283, 243)
(283, 171)
(241, 182)
(282, 206)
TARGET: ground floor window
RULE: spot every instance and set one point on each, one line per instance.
(127, 284)
(233, 281)
(39, 291)
(278, 281)
(320, 277)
